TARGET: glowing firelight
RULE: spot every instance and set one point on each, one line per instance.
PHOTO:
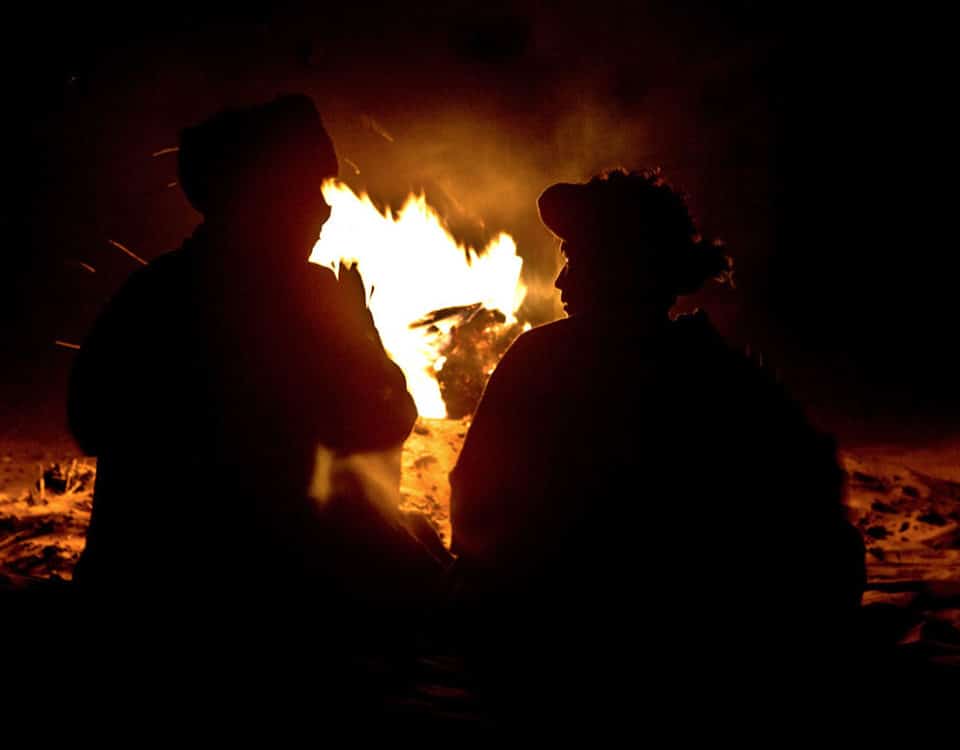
(412, 266)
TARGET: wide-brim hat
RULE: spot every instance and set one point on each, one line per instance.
(232, 146)
(567, 209)
(640, 205)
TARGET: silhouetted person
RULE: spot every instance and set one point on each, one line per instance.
(224, 391)
(634, 499)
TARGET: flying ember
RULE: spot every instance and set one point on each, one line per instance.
(420, 280)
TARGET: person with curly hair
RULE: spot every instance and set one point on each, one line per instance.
(633, 492)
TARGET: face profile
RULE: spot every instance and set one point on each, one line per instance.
(285, 200)
(594, 280)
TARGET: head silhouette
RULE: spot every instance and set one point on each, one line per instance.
(258, 171)
(629, 241)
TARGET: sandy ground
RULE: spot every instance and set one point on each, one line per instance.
(428, 456)
(46, 495)
(910, 521)
(906, 505)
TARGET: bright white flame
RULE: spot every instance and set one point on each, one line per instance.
(411, 266)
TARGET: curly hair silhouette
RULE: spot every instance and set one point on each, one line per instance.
(635, 219)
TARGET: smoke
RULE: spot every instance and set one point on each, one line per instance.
(370, 478)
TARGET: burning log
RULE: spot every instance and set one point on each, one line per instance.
(471, 354)
(434, 317)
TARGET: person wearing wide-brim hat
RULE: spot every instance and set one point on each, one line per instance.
(219, 376)
(622, 463)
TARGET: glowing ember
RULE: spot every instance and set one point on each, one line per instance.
(413, 267)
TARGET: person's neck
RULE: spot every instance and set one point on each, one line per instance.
(241, 230)
(641, 314)
(252, 262)
(256, 241)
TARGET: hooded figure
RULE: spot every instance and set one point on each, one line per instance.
(224, 380)
(631, 487)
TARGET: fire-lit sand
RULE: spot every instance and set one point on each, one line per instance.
(46, 495)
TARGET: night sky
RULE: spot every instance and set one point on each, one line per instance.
(808, 137)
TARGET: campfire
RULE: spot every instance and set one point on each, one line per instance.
(445, 311)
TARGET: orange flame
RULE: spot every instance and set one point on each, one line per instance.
(412, 266)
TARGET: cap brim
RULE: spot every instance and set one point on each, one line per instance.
(561, 208)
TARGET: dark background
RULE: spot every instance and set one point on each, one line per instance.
(814, 139)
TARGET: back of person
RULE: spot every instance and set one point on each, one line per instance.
(636, 443)
(140, 401)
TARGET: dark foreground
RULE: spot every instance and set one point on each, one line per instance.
(392, 671)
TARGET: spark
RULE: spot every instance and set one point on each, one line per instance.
(66, 344)
(85, 266)
(128, 251)
(377, 128)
